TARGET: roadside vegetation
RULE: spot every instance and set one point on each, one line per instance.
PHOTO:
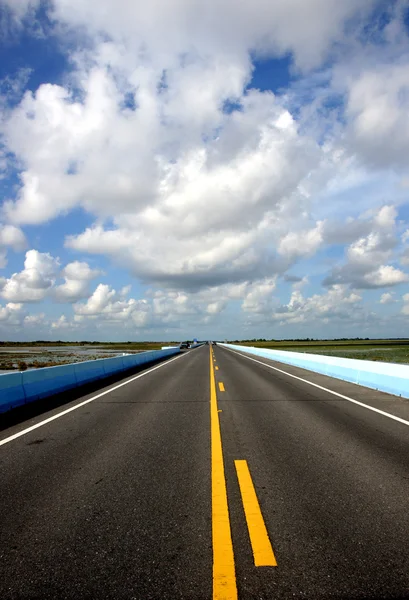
(19, 356)
(394, 350)
(113, 345)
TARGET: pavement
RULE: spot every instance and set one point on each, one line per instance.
(209, 475)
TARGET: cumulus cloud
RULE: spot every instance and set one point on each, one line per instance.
(307, 28)
(405, 307)
(10, 237)
(385, 276)
(111, 306)
(377, 108)
(163, 308)
(13, 237)
(77, 277)
(206, 190)
(366, 257)
(387, 298)
(11, 314)
(62, 323)
(194, 194)
(302, 243)
(39, 277)
(35, 320)
(205, 213)
(33, 283)
(335, 304)
(259, 296)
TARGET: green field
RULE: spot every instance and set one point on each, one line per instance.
(396, 351)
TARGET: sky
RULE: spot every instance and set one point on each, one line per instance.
(217, 170)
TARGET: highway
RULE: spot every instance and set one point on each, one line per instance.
(210, 475)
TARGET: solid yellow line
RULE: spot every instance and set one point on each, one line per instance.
(224, 574)
(262, 550)
(221, 386)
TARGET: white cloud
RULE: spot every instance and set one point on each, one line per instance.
(11, 314)
(33, 283)
(302, 243)
(194, 195)
(62, 323)
(366, 257)
(10, 237)
(77, 277)
(305, 27)
(35, 320)
(335, 304)
(387, 298)
(384, 276)
(377, 108)
(168, 308)
(38, 280)
(207, 213)
(204, 189)
(405, 308)
(108, 305)
(259, 296)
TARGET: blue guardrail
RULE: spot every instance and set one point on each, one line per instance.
(23, 387)
(385, 377)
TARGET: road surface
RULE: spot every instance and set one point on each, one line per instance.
(211, 475)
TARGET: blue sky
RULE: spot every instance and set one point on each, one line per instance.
(262, 192)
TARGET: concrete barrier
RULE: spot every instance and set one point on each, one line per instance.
(11, 391)
(385, 377)
(113, 365)
(89, 370)
(28, 386)
(40, 383)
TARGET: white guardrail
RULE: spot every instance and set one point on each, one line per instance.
(386, 377)
(27, 386)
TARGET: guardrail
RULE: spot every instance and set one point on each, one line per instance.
(23, 387)
(385, 377)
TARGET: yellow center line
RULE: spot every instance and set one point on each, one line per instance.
(224, 574)
(260, 543)
(221, 386)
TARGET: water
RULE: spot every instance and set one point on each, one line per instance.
(11, 356)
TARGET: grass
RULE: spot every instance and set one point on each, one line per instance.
(396, 351)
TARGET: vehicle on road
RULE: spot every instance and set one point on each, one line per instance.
(184, 345)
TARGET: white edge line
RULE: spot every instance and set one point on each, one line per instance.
(377, 410)
(64, 412)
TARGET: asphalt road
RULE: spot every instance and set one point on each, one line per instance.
(127, 495)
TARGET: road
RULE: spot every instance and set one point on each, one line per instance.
(178, 481)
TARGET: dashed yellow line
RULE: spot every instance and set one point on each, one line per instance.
(217, 368)
(224, 573)
(221, 386)
(262, 550)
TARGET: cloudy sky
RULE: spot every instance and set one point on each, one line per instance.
(204, 168)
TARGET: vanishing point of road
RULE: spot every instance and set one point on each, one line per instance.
(210, 475)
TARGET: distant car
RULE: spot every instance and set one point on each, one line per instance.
(183, 345)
